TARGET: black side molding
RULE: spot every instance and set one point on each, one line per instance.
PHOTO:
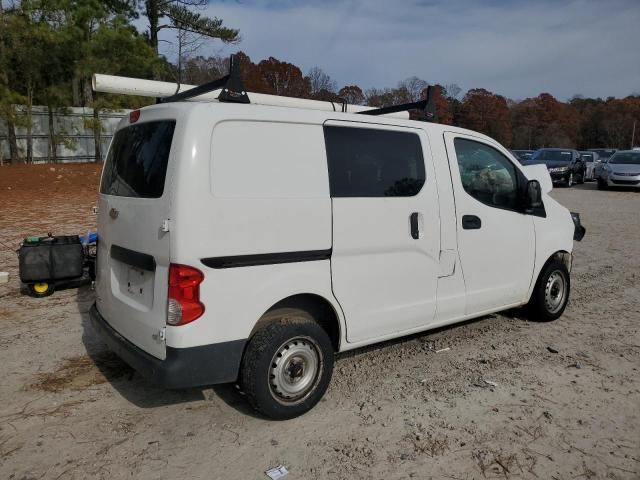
(266, 259)
(133, 258)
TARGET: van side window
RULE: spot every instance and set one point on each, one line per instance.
(367, 162)
(486, 174)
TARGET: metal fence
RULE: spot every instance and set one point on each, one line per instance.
(76, 140)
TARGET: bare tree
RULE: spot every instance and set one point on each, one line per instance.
(188, 45)
(413, 87)
(319, 81)
(452, 90)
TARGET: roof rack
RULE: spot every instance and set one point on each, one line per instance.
(231, 84)
(426, 106)
(230, 88)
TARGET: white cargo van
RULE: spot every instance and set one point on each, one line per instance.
(248, 243)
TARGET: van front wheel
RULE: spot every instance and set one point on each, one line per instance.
(287, 366)
(551, 293)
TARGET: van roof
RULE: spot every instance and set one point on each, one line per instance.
(297, 115)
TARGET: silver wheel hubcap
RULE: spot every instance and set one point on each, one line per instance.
(555, 292)
(295, 369)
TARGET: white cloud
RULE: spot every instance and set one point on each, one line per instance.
(515, 48)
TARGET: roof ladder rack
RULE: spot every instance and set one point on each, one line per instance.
(427, 106)
(232, 87)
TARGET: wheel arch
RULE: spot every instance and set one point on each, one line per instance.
(321, 309)
(560, 255)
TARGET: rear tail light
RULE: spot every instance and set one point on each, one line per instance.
(184, 294)
(134, 116)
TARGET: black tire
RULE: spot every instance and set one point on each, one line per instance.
(41, 290)
(601, 185)
(569, 181)
(541, 306)
(258, 370)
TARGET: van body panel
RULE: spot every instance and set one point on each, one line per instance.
(497, 259)
(451, 298)
(379, 271)
(553, 234)
(211, 220)
(131, 297)
(232, 312)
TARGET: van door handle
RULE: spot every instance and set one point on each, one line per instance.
(471, 222)
(415, 229)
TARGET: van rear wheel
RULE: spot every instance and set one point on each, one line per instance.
(551, 293)
(287, 366)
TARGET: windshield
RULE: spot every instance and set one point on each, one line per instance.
(137, 162)
(604, 154)
(587, 157)
(523, 154)
(552, 155)
(626, 158)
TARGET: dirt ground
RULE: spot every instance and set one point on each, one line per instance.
(565, 404)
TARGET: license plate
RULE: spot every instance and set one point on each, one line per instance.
(137, 281)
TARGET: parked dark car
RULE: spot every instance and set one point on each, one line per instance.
(522, 155)
(565, 165)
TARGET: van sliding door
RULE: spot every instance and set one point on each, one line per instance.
(386, 227)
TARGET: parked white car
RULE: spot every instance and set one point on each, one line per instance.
(590, 159)
(247, 243)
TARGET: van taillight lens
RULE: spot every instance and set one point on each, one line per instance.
(134, 116)
(184, 294)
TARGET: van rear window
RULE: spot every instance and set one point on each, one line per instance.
(137, 162)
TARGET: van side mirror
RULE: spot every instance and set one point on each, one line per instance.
(533, 195)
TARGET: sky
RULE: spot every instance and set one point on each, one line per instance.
(516, 48)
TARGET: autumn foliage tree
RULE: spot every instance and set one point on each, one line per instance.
(543, 121)
(443, 107)
(48, 54)
(284, 78)
(486, 112)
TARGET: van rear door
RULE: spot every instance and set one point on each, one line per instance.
(133, 238)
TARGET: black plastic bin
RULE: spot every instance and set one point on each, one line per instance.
(47, 259)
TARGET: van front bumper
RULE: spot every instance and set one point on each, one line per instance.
(182, 367)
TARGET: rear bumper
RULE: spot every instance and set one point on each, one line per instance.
(182, 367)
